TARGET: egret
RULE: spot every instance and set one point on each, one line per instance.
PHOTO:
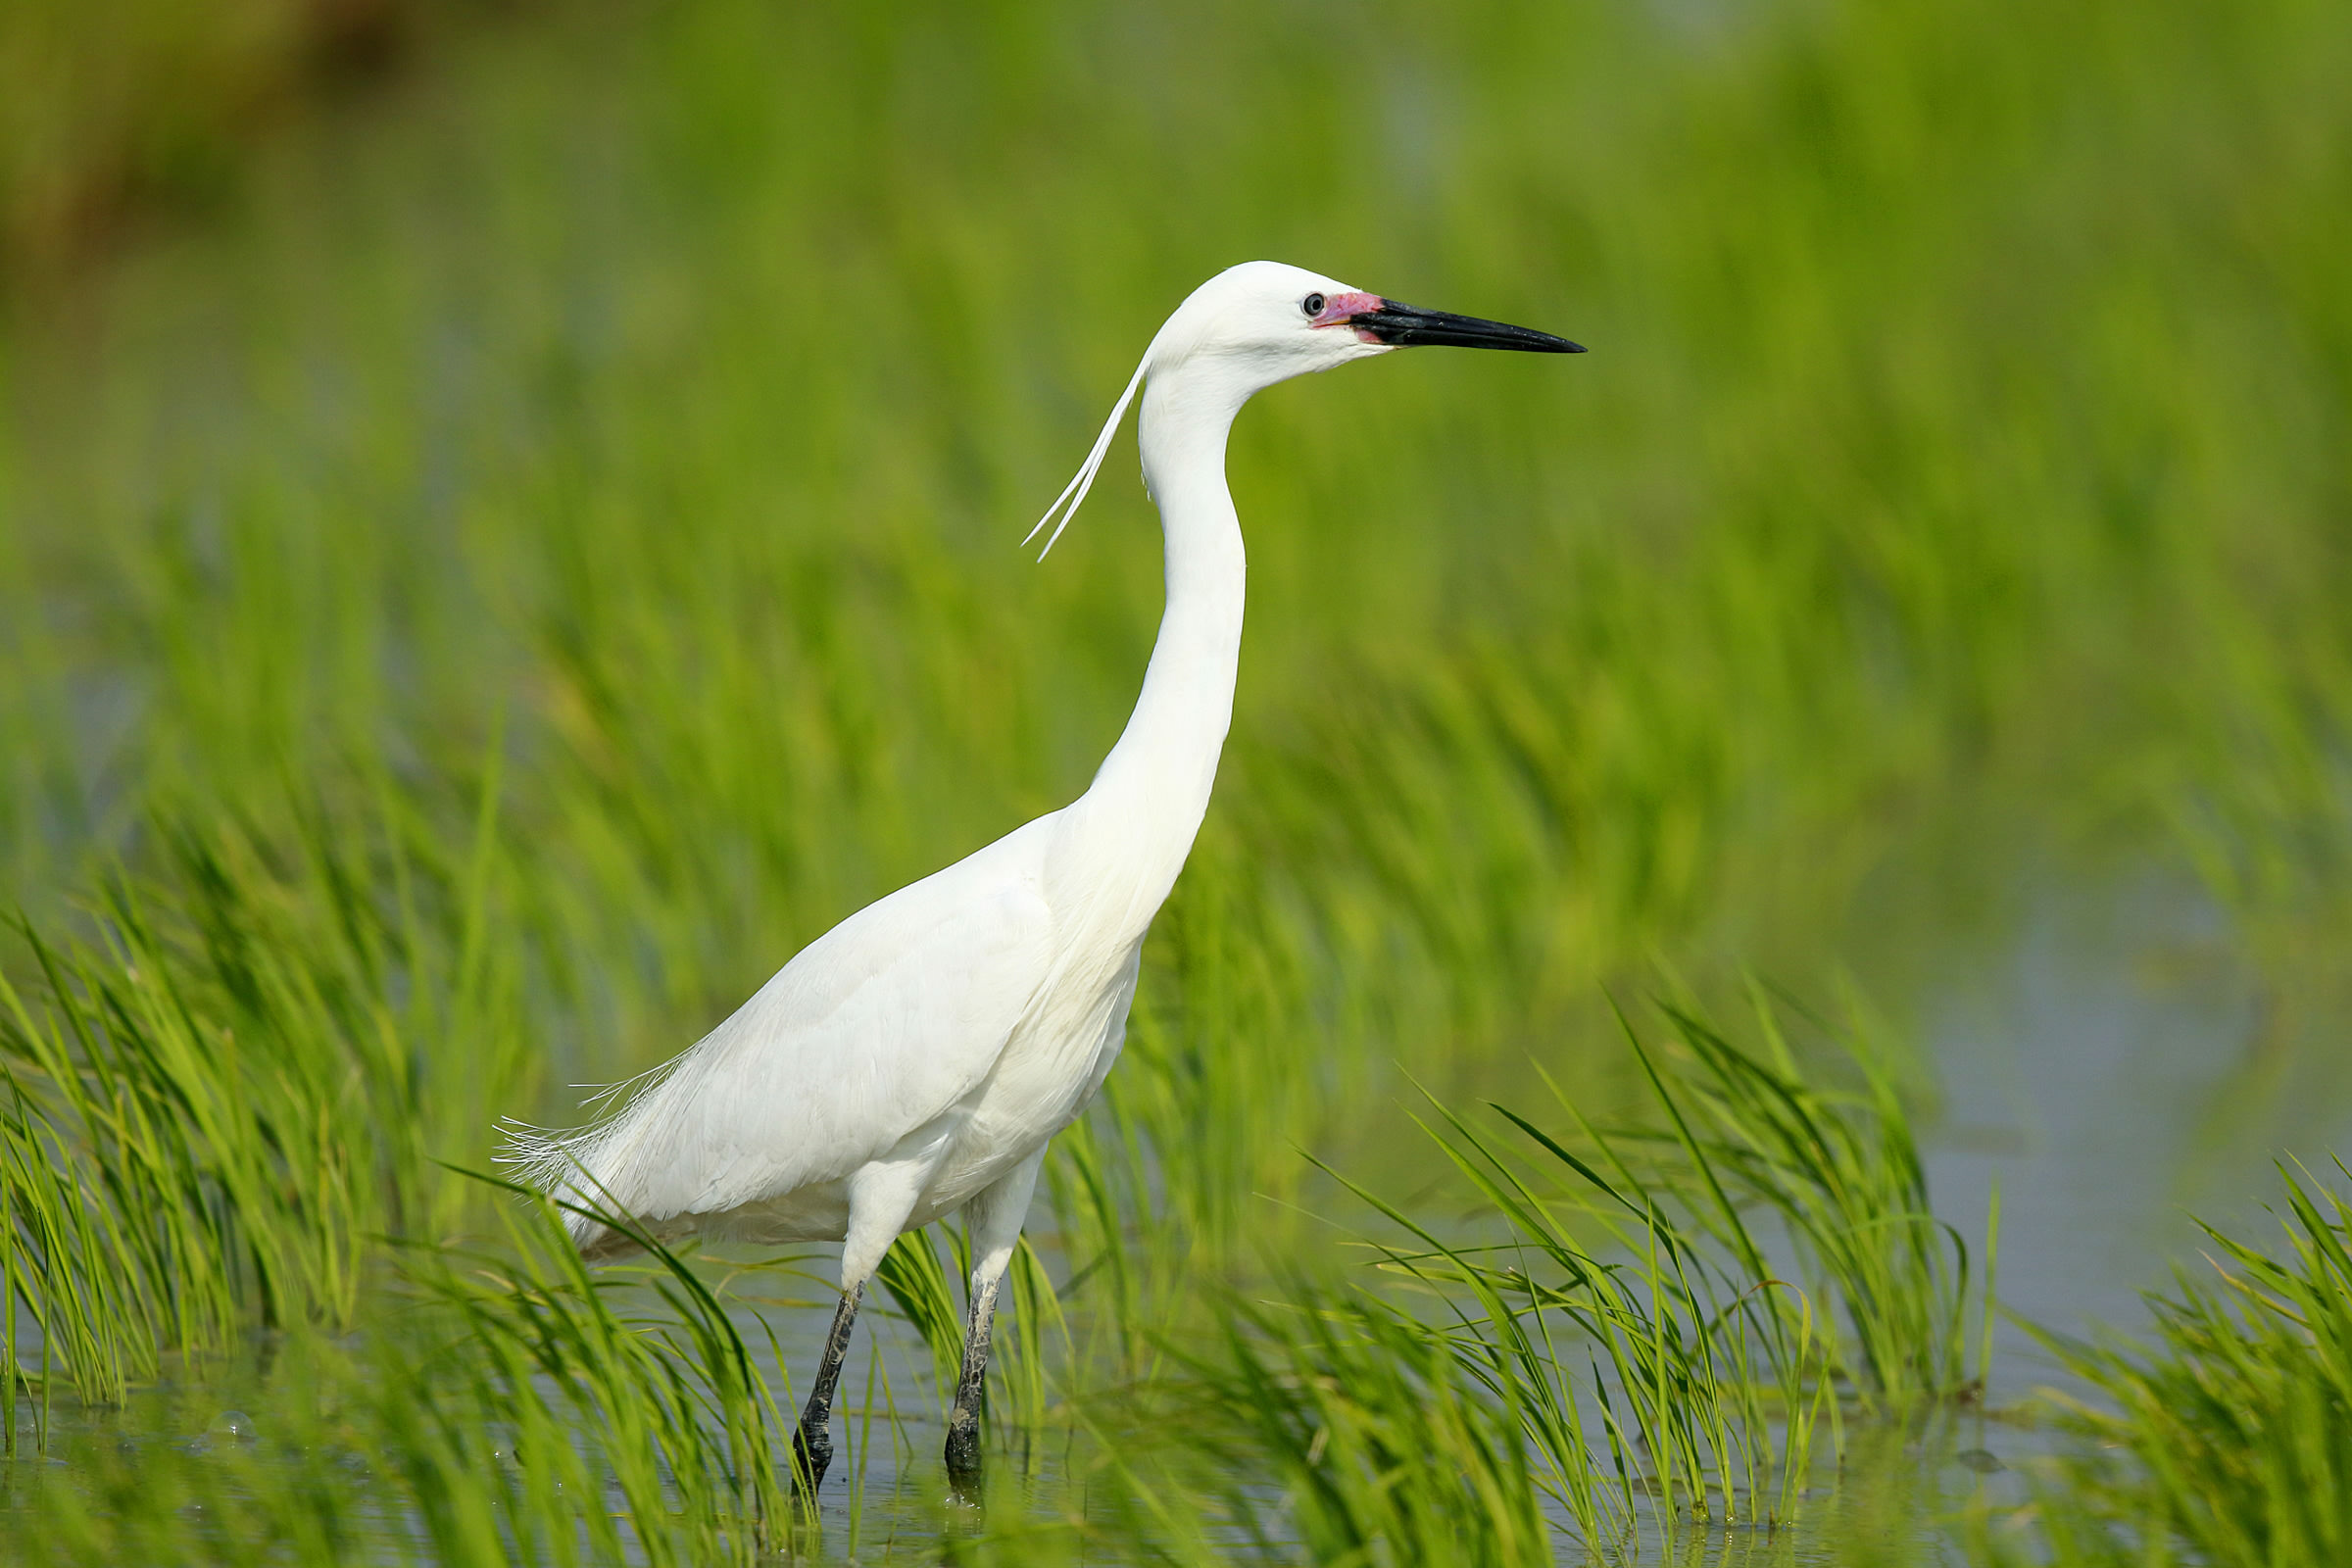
(915, 1059)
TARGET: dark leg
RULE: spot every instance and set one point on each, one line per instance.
(995, 1217)
(971, 1389)
(812, 1443)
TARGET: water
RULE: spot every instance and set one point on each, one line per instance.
(2116, 1068)
(2111, 1063)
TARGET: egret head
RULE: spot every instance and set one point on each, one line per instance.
(1261, 323)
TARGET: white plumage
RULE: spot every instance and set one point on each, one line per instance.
(916, 1058)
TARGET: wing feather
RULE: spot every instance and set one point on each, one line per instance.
(874, 1029)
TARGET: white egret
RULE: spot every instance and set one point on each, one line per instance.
(915, 1059)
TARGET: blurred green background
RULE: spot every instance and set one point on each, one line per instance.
(657, 392)
(625, 413)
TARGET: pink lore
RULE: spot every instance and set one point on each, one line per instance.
(1338, 307)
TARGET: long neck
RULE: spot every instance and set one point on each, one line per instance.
(1152, 789)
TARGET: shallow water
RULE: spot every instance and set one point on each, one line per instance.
(2108, 1064)
(2112, 1065)
(2116, 1068)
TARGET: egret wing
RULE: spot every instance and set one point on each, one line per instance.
(871, 1031)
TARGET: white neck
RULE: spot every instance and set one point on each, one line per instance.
(1153, 790)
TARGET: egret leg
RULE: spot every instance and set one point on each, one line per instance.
(971, 1386)
(995, 1216)
(882, 1196)
(813, 1442)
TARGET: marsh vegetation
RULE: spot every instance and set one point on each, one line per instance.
(539, 551)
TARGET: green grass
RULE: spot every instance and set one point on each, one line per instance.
(519, 1407)
(2221, 1432)
(1336, 1431)
(1836, 1164)
(545, 553)
(230, 1094)
(1634, 1312)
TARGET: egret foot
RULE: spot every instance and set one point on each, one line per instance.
(964, 1447)
(971, 1391)
(812, 1443)
(812, 1452)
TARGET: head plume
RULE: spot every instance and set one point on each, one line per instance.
(1066, 504)
(1261, 323)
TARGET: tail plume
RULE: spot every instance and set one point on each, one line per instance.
(585, 1168)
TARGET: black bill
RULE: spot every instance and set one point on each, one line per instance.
(1406, 327)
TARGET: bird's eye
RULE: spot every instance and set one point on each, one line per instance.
(1312, 305)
